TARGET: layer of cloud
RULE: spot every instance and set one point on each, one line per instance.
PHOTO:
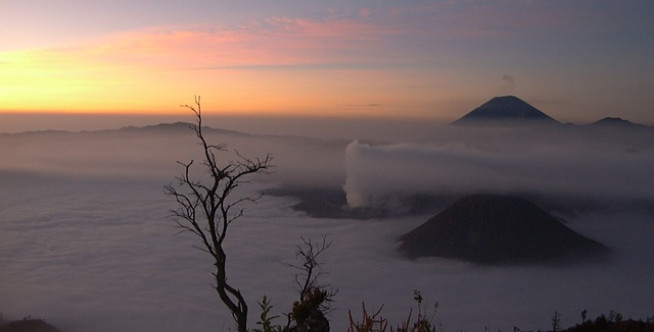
(86, 242)
(94, 253)
(342, 35)
(385, 174)
(271, 41)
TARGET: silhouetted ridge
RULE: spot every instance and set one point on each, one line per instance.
(27, 325)
(507, 109)
(610, 121)
(178, 127)
(497, 229)
(614, 122)
(162, 127)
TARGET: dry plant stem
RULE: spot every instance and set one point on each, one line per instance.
(207, 209)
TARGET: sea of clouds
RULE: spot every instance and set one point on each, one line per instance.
(86, 240)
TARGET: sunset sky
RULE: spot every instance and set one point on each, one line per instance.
(577, 61)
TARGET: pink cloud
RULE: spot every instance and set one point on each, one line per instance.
(273, 41)
(382, 34)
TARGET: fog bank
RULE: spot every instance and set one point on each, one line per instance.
(86, 241)
(387, 174)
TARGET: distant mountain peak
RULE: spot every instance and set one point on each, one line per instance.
(505, 109)
(613, 121)
(616, 123)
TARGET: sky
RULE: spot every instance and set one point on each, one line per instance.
(578, 61)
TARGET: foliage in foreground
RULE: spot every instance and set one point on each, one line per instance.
(375, 322)
(308, 312)
(308, 315)
(613, 322)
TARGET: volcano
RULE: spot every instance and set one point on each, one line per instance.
(497, 229)
(505, 110)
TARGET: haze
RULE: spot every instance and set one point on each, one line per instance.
(87, 242)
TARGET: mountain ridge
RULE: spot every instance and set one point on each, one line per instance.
(506, 110)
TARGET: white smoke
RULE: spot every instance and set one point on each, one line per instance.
(508, 85)
(381, 175)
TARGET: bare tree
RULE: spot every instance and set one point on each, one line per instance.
(556, 321)
(207, 209)
(309, 312)
(310, 268)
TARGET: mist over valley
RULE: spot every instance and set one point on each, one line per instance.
(86, 240)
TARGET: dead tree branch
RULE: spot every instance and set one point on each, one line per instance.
(207, 209)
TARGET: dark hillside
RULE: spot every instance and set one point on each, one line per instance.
(497, 229)
(27, 325)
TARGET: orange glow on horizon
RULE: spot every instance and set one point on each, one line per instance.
(152, 70)
(275, 67)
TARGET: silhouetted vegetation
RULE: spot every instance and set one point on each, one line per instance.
(308, 316)
(27, 324)
(207, 209)
(613, 322)
(308, 312)
(556, 321)
(375, 322)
